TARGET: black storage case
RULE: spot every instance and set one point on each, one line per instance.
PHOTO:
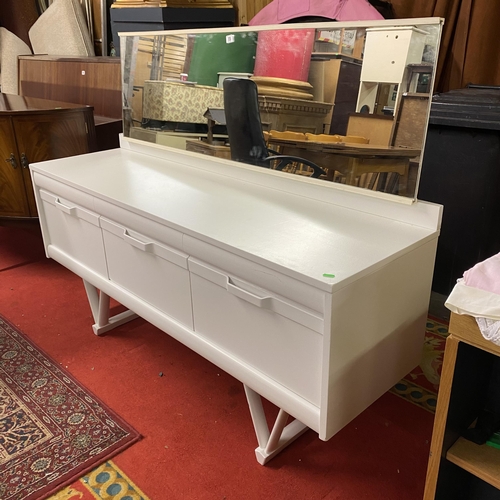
(127, 19)
(461, 170)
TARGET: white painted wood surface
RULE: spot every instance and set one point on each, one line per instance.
(255, 222)
(247, 250)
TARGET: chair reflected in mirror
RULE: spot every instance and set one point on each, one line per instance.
(244, 129)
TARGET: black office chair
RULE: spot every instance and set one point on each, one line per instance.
(244, 128)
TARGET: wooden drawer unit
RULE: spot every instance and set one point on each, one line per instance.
(312, 294)
(269, 332)
(156, 272)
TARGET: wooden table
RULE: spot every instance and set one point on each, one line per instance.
(351, 160)
(460, 469)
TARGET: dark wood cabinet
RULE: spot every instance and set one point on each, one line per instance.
(33, 130)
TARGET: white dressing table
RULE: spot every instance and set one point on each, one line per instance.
(231, 261)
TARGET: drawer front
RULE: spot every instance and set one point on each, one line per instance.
(271, 334)
(153, 271)
(260, 274)
(75, 231)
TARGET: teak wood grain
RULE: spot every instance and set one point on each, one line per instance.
(33, 130)
(92, 81)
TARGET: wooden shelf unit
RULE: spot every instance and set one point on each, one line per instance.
(482, 461)
(459, 469)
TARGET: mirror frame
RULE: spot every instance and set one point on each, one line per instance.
(324, 26)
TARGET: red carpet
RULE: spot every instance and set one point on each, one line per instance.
(198, 438)
(19, 246)
(52, 430)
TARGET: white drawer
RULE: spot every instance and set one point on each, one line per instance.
(263, 275)
(75, 231)
(153, 271)
(275, 336)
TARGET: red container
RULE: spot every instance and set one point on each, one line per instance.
(284, 54)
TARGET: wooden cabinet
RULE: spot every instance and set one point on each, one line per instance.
(459, 469)
(92, 81)
(33, 130)
(87, 81)
(335, 79)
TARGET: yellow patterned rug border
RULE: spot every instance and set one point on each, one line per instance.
(106, 482)
(439, 327)
(415, 393)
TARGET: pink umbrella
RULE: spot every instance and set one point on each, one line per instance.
(280, 11)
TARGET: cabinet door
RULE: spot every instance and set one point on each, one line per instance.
(49, 136)
(13, 201)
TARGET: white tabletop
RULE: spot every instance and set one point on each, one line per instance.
(285, 230)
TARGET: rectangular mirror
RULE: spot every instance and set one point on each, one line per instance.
(342, 102)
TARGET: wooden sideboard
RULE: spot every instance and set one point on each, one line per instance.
(313, 295)
(459, 469)
(89, 81)
(92, 81)
(34, 130)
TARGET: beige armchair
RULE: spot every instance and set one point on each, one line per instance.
(62, 31)
(11, 46)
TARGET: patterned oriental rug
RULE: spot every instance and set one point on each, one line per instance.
(52, 431)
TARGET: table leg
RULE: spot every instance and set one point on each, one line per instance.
(99, 305)
(445, 385)
(281, 435)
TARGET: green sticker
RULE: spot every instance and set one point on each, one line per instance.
(328, 275)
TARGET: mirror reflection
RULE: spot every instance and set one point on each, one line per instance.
(341, 104)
